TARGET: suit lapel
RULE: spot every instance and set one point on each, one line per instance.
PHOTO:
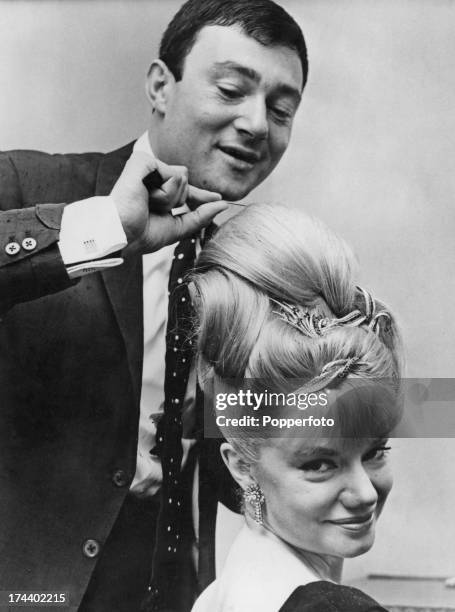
(124, 283)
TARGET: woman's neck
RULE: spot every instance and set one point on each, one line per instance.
(326, 567)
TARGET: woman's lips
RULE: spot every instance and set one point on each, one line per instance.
(355, 523)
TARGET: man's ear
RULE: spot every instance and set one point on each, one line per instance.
(239, 468)
(159, 85)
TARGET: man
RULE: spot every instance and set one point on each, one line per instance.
(83, 365)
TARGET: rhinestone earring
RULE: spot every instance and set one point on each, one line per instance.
(255, 497)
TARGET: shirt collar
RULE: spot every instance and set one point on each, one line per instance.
(143, 144)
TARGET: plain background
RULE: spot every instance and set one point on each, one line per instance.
(372, 154)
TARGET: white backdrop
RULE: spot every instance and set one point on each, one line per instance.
(372, 154)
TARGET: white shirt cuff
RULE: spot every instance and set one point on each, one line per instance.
(88, 267)
(90, 229)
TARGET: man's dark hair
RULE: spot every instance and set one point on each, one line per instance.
(263, 20)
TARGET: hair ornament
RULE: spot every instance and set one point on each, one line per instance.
(340, 368)
(369, 303)
(334, 371)
(308, 323)
(374, 324)
(373, 318)
(314, 325)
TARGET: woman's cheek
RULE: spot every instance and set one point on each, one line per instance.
(383, 483)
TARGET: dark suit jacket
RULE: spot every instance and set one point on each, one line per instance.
(70, 377)
(325, 596)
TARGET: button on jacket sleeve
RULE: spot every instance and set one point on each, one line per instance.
(31, 263)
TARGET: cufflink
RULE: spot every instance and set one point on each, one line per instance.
(29, 244)
(12, 248)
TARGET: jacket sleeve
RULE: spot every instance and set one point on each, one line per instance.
(30, 261)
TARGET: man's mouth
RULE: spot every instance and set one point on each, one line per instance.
(241, 154)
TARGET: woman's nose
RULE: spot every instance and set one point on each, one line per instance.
(359, 490)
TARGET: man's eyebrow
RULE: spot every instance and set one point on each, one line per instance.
(291, 92)
(228, 65)
(250, 73)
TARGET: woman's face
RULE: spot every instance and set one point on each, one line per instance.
(325, 495)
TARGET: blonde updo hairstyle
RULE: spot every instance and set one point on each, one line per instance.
(269, 255)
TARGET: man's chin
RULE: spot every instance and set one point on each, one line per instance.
(231, 184)
(234, 194)
(230, 187)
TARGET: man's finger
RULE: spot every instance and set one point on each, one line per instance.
(167, 196)
(194, 196)
(140, 164)
(194, 221)
(184, 194)
(167, 171)
(197, 196)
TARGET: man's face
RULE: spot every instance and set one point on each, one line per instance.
(229, 118)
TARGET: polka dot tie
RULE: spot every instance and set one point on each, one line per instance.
(179, 353)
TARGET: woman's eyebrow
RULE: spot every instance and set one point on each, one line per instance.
(380, 440)
(313, 451)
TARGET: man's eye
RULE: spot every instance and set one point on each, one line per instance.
(282, 115)
(319, 466)
(231, 93)
(377, 454)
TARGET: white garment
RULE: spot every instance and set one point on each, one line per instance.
(260, 573)
(90, 229)
(156, 269)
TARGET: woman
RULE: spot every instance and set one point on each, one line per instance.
(277, 305)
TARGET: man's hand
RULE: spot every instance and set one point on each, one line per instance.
(147, 221)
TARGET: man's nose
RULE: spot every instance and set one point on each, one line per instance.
(252, 118)
(359, 491)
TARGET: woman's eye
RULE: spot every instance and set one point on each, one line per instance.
(377, 454)
(318, 465)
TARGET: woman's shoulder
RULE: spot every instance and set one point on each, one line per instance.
(325, 596)
(259, 573)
